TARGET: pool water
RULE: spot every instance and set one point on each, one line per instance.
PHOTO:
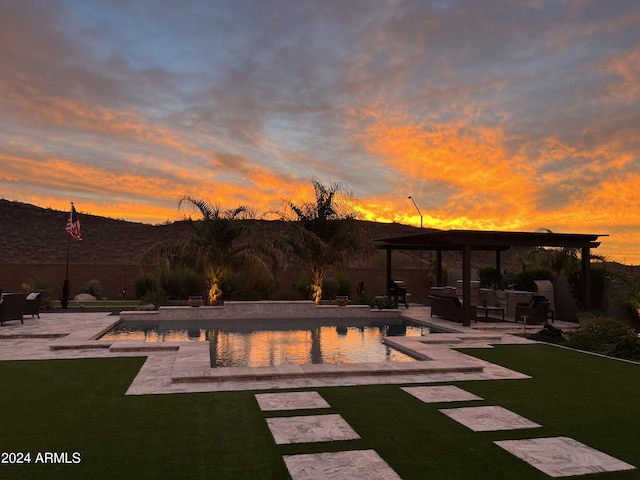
(249, 344)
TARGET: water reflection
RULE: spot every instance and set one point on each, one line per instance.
(316, 346)
(298, 347)
(291, 342)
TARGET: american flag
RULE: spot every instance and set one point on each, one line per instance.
(73, 224)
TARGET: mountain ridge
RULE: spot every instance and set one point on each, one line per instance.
(32, 234)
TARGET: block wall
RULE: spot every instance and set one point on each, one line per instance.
(111, 277)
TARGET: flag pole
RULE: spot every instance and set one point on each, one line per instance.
(66, 276)
(66, 287)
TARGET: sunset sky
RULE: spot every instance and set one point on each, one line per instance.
(497, 115)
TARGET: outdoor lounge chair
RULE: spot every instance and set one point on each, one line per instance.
(32, 306)
(12, 307)
(536, 311)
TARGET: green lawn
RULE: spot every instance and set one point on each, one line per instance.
(80, 406)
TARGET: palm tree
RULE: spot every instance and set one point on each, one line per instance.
(564, 260)
(324, 233)
(219, 243)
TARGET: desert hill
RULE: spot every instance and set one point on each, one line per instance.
(31, 234)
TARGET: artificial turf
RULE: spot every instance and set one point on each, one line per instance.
(80, 406)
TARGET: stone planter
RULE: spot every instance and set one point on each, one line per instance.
(342, 300)
(195, 301)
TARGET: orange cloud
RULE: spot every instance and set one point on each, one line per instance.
(466, 170)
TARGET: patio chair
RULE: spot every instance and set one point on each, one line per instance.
(536, 310)
(398, 293)
(12, 307)
(32, 306)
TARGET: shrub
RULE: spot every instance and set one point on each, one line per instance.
(603, 335)
(383, 303)
(93, 287)
(32, 285)
(344, 284)
(149, 291)
(250, 285)
(144, 285)
(330, 288)
(549, 334)
(489, 277)
(627, 348)
(632, 311)
(180, 283)
(629, 296)
(155, 297)
(303, 287)
(598, 275)
(524, 280)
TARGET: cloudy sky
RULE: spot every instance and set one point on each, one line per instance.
(505, 115)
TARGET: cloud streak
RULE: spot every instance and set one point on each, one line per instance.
(492, 115)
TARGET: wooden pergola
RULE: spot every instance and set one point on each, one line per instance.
(467, 240)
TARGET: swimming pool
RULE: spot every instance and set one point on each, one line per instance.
(251, 343)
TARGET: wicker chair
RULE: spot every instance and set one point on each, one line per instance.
(536, 311)
(12, 307)
(32, 306)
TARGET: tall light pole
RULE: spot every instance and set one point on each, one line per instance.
(419, 212)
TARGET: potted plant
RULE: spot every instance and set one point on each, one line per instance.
(195, 301)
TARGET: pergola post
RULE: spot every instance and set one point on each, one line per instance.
(439, 268)
(388, 269)
(586, 278)
(466, 286)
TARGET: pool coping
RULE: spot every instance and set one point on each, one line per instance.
(266, 310)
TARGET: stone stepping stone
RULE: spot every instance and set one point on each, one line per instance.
(310, 428)
(290, 401)
(355, 464)
(562, 456)
(437, 394)
(489, 419)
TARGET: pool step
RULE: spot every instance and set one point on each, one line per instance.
(127, 346)
(88, 345)
(337, 371)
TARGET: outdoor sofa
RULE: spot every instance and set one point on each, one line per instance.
(449, 308)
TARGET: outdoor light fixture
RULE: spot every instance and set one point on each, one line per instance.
(419, 212)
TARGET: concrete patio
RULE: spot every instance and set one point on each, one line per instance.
(181, 367)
